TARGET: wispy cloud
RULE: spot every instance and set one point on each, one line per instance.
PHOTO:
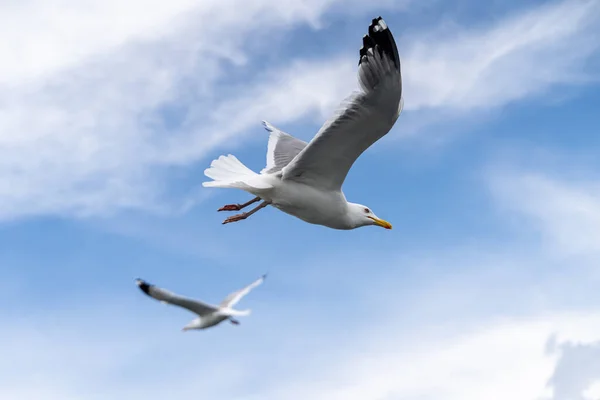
(505, 359)
(524, 55)
(566, 212)
(315, 87)
(89, 357)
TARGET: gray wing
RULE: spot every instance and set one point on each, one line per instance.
(235, 297)
(165, 296)
(282, 149)
(363, 118)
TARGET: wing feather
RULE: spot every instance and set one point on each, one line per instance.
(235, 297)
(363, 118)
(282, 149)
(165, 296)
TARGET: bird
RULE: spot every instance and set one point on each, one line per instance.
(208, 315)
(305, 179)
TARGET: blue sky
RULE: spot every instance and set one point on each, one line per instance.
(486, 288)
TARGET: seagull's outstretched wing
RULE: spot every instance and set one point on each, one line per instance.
(235, 297)
(281, 150)
(364, 117)
(165, 296)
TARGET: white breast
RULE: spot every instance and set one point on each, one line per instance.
(211, 320)
(311, 205)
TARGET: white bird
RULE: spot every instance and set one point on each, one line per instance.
(208, 315)
(305, 179)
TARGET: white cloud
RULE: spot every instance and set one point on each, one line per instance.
(316, 87)
(93, 357)
(565, 212)
(521, 56)
(592, 392)
(47, 36)
(503, 360)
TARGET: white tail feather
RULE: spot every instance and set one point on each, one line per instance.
(234, 313)
(227, 168)
(229, 172)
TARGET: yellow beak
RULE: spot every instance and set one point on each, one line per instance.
(382, 223)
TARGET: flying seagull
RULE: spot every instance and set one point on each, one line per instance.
(305, 179)
(208, 315)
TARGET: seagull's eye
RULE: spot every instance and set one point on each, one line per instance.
(367, 211)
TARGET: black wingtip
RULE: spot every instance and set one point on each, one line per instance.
(380, 37)
(268, 127)
(144, 286)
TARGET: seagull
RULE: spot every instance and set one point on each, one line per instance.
(305, 179)
(208, 315)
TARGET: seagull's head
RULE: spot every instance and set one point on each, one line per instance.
(362, 216)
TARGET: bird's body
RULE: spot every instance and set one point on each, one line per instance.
(303, 201)
(206, 322)
(305, 179)
(208, 315)
(311, 205)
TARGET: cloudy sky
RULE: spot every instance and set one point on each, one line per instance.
(486, 288)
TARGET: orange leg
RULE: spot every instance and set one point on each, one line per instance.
(238, 207)
(239, 217)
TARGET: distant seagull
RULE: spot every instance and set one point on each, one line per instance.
(305, 179)
(208, 314)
